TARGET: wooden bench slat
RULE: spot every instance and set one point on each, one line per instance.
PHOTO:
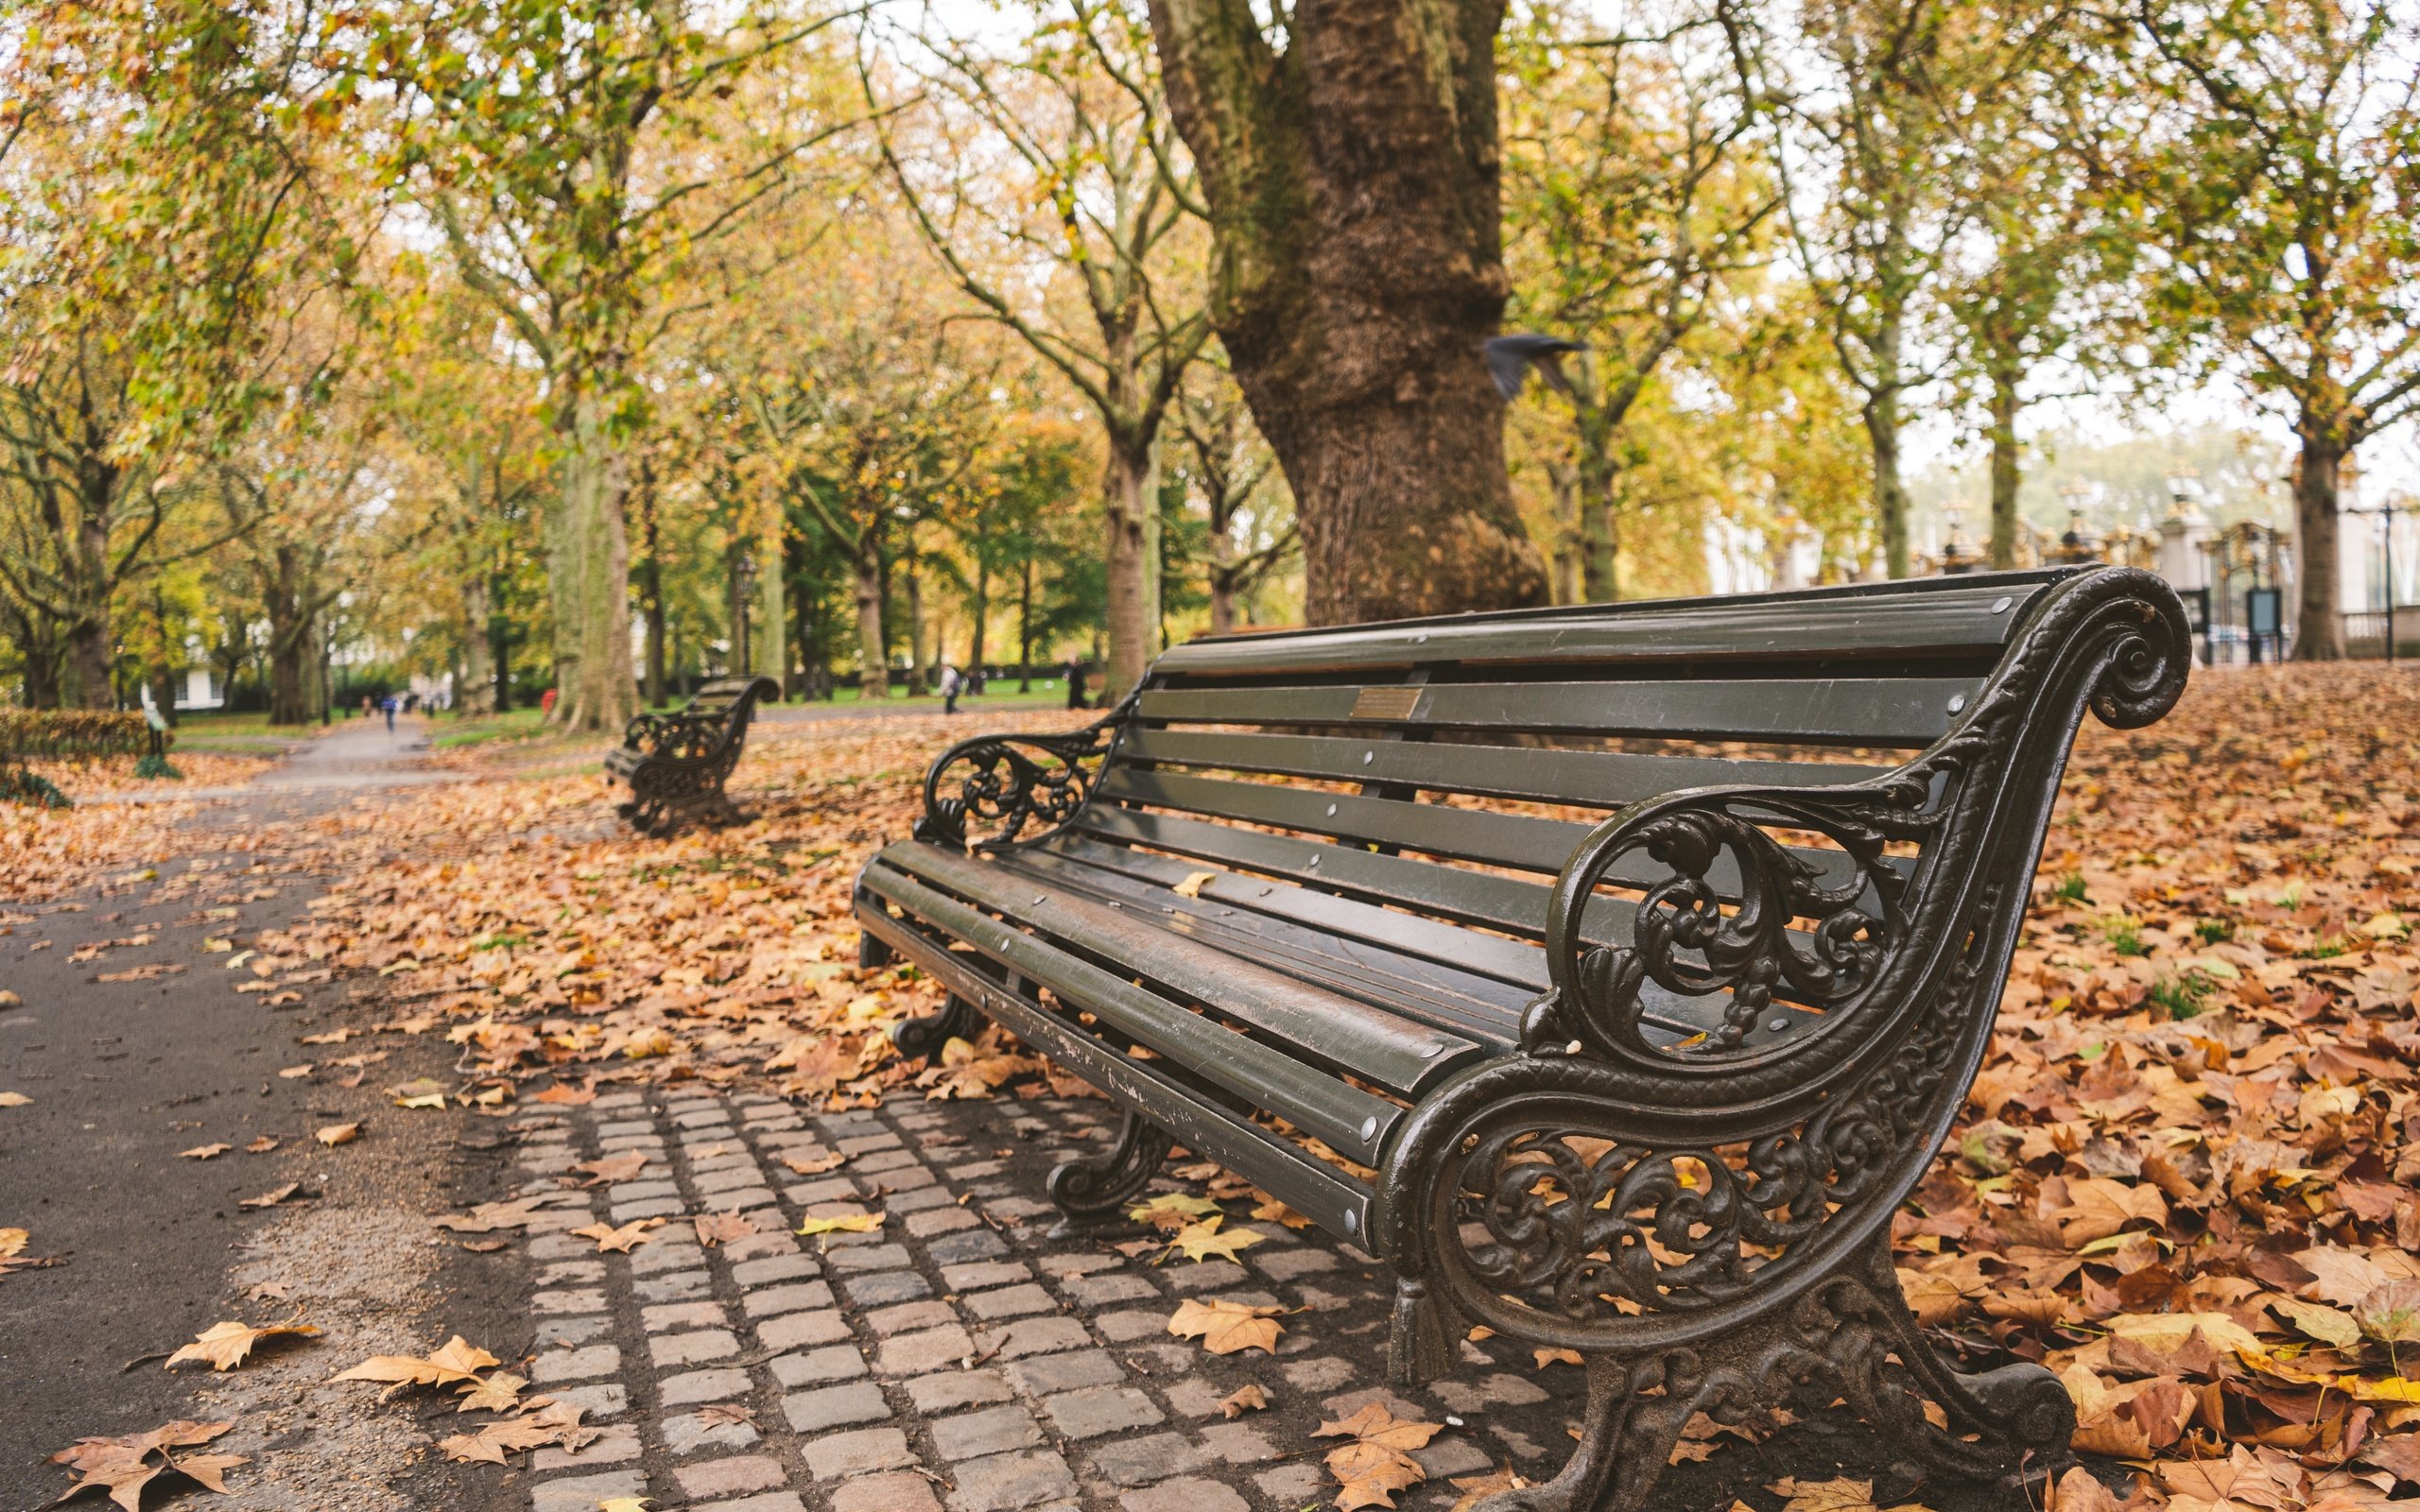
(1378, 1046)
(1284, 935)
(1357, 929)
(1886, 713)
(1892, 620)
(1509, 903)
(1521, 841)
(1540, 774)
(1283, 1169)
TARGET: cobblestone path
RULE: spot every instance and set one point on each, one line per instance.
(959, 1357)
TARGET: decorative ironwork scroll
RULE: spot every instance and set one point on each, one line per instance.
(1008, 783)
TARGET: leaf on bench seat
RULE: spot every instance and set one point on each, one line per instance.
(1193, 883)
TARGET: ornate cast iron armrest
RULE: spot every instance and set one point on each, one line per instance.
(1725, 915)
(1007, 782)
(642, 733)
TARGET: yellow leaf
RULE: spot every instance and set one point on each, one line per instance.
(1548, 1357)
(846, 1222)
(1193, 883)
(13, 1099)
(1243, 1399)
(336, 1134)
(424, 1100)
(1173, 1210)
(1201, 1240)
(204, 1152)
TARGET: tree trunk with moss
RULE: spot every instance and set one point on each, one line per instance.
(1351, 182)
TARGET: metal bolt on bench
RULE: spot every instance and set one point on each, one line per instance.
(1648, 1088)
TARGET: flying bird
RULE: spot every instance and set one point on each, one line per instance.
(1511, 357)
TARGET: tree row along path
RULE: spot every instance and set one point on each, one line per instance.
(400, 1048)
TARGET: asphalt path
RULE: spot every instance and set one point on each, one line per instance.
(153, 1246)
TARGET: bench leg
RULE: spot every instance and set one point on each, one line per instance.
(1091, 1191)
(1850, 1336)
(922, 1039)
(874, 953)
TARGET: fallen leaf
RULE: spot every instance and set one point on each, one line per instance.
(817, 1165)
(263, 1144)
(725, 1412)
(1227, 1328)
(847, 1223)
(494, 1392)
(1242, 1399)
(1379, 1462)
(1202, 1241)
(457, 1359)
(1193, 883)
(1172, 1210)
(1477, 1488)
(623, 1240)
(1548, 1357)
(204, 1152)
(224, 1346)
(124, 1465)
(14, 1100)
(715, 1229)
(566, 1094)
(333, 1135)
(489, 1216)
(295, 1073)
(612, 1168)
(273, 1196)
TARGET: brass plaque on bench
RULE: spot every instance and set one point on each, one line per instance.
(1386, 703)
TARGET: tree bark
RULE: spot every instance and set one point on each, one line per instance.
(475, 692)
(874, 656)
(594, 682)
(1352, 183)
(651, 579)
(2002, 551)
(982, 608)
(1881, 411)
(1123, 503)
(1025, 625)
(2320, 636)
(916, 683)
(1600, 533)
(770, 651)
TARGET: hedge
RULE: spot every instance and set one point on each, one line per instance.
(27, 734)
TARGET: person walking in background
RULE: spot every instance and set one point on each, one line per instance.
(1076, 698)
(951, 683)
(388, 704)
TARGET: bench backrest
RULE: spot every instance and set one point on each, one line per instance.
(1453, 767)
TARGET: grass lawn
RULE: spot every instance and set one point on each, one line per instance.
(448, 731)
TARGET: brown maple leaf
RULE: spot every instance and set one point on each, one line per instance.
(623, 1240)
(1227, 1328)
(225, 1345)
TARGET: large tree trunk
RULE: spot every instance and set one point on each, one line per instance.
(2320, 636)
(1890, 493)
(1352, 182)
(982, 607)
(1123, 506)
(1600, 533)
(594, 689)
(475, 693)
(651, 579)
(769, 652)
(916, 683)
(874, 656)
(499, 632)
(2002, 551)
(1025, 625)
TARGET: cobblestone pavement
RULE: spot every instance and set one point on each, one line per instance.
(959, 1357)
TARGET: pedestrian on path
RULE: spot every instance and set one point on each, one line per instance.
(388, 705)
(951, 683)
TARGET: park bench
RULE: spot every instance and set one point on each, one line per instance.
(676, 764)
(1612, 973)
